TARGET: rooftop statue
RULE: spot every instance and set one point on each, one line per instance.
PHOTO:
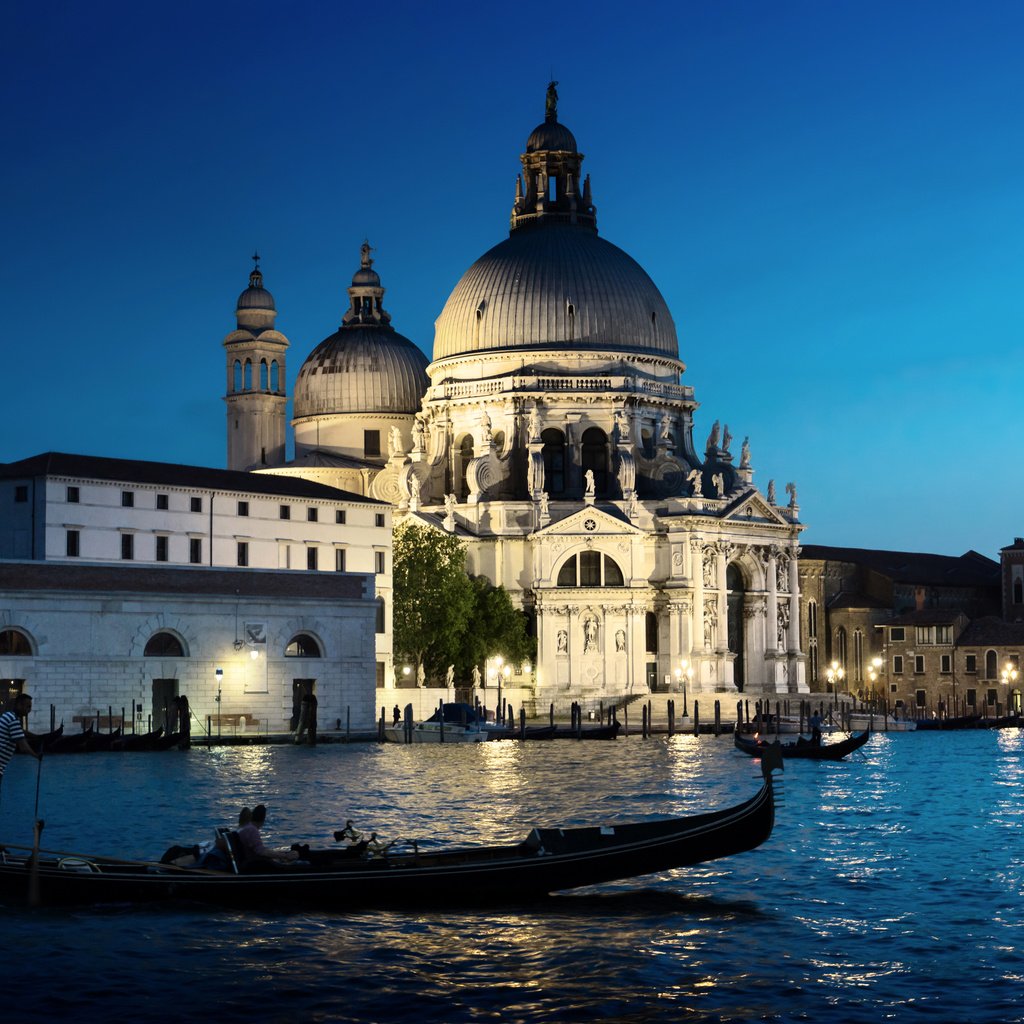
(713, 437)
(365, 260)
(551, 102)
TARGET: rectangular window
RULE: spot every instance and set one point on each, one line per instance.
(161, 547)
(972, 698)
(243, 553)
(127, 499)
(310, 558)
(992, 696)
(920, 698)
(897, 664)
(312, 515)
(379, 559)
(339, 516)
(195, 504)
(371, 443)
(163, 503)
(380, 675)
(285, 512)
(945, 663)
(21, 493)
(71, 543)
(72, 495)
(195, 550)
(379, 519)
(339, 559)
(590, 568)
(918, 664)
(127, 546)
(380, 615)
(243, 508)
(971, 663)
(943, 634)
(897, 634)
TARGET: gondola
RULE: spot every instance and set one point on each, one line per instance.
(804, 748)
(548, 860)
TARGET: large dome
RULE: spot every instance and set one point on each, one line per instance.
(361, 369)
(555, 286)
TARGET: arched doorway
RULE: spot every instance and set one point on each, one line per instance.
(735, 591)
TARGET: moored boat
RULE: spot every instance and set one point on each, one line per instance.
(880, 722)
(548, 860)
(803, 748)
(450, 723)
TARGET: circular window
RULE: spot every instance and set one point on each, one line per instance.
(590, 525)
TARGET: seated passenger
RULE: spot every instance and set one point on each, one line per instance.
(250, 842)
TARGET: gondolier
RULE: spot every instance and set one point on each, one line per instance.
(12, 735)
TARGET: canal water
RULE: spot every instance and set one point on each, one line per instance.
(891, 889)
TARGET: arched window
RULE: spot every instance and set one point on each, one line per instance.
(164, 645)
(14, 643)
(590, 569)
(264, 375)
(858, 655)
(380, 615)
(812, 618)
(652, 633)
(553, 454)
(840, 651)
(991, 665)
(236, 376)
(247, 381)
(275, 377)
(302, 645)
(594, 456)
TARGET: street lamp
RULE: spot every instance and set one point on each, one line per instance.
(684, 675)
(874, 671)
(219, 673)
(834, 674)
(1009, 678)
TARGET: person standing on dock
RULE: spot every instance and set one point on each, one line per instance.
(12, 735)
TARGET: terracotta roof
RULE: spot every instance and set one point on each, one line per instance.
(245, 583)
(967, 570)
(172, 474)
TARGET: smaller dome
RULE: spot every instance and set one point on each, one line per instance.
(551, 136)
(366, 276)
(256, 296)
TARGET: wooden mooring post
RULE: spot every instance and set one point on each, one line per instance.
(718, 718)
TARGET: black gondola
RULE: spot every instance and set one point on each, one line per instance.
(548, 860)
(803, 748)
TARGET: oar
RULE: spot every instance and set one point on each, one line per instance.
(37, 832)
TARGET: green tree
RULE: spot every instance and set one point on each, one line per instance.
(433, 598)
(497, 628)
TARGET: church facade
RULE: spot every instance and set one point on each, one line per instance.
(553, 434)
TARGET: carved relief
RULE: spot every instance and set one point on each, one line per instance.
(710, 622)
(710, 570)
(783, 623)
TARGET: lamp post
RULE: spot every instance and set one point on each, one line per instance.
(219, 673)
(834, 674)
(1009, 677)
(874, 671)
(684, 675)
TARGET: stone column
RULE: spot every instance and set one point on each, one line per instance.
(794, 603)
(771, 633)
(697, 621)
(721, 557)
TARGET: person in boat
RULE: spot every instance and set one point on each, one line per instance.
(250, 841)
(815, 724)
(12, 735)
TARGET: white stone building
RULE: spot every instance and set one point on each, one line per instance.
(110, 563)
(556, 438)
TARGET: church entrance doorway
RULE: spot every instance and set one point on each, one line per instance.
(735, 592)
(164, 692)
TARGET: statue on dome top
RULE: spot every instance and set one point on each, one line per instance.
(365, 260)
(551, 102)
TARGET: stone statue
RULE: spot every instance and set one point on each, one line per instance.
(695, 479)
(665, 428)
(449, 676)
(414, 491)
(589, 476)
(726, 438)
(395, 441)
(771, 492)
(783, 624)
(713, 437)
(622, 422)
(709, 571)
(418, 433)
(563, 641)
(745, 454)
(718, 482)
(485, 426)
(450, 501)
(534, 422)
(545, 505)
(551, 102)
(364, 255)
(421, 676)
(791, 491)
(476, 675)
(620, 639)
(589, 634)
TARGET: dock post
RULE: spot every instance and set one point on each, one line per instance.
(671, 718)
(380, 727)
(718, 718)
(643, 722)
(551, 714)
(522, 723)
(696, 718)
(625, 720)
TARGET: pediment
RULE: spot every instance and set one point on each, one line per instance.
(590, 521)
(754, 508)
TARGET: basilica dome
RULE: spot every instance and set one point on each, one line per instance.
(366, 366)
(555, 285)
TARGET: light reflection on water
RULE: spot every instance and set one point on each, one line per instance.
(891, 889)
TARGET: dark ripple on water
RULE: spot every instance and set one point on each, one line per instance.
(890, 890)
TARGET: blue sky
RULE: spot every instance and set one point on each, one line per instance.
(829, 195)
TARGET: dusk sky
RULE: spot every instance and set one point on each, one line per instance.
(830, 196)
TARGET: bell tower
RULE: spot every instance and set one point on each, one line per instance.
(256, 386)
